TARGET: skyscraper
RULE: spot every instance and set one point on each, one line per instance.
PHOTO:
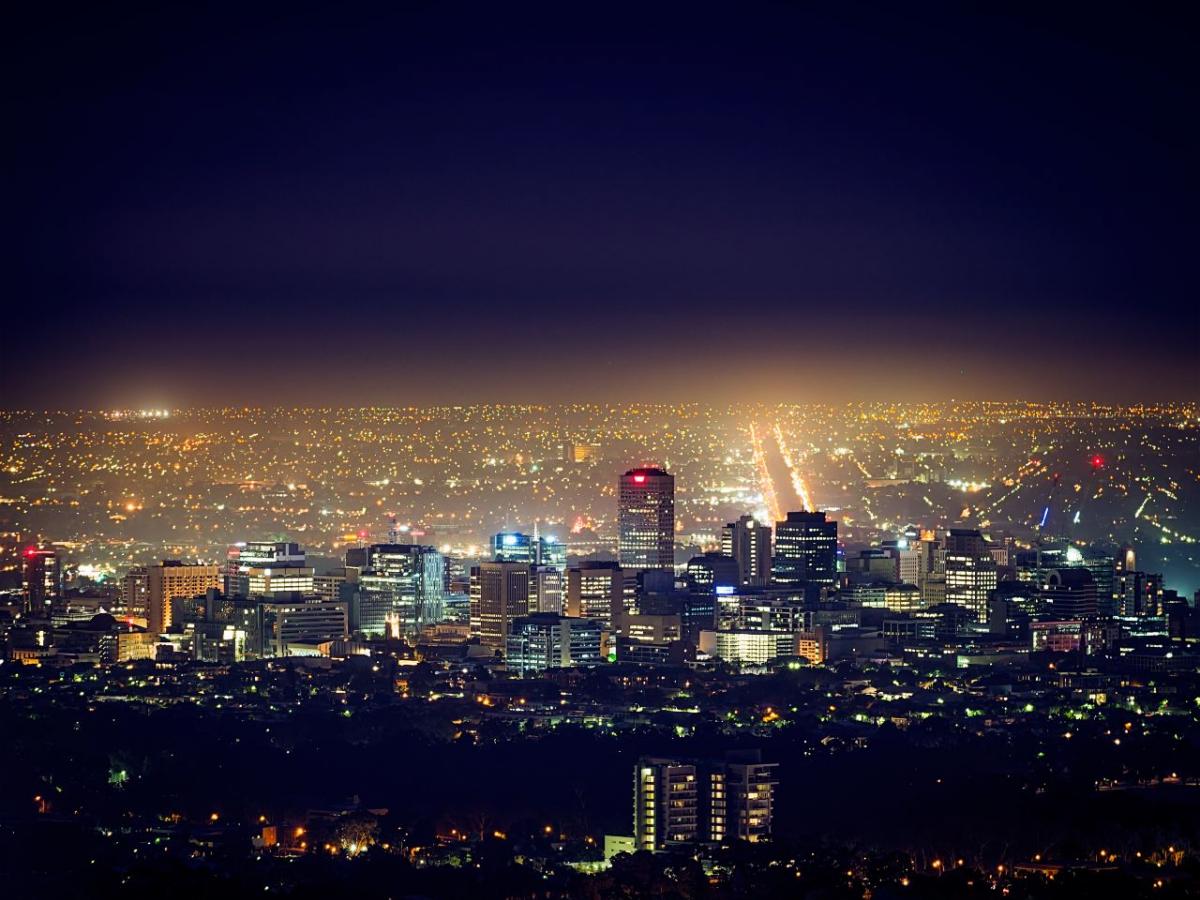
(596, 590)
(547, 589)
(1070, 592)
(246, 555)
(135, 590)
(172, 580)
(499, 594)
(749, 543)
(404, 584)
(513, 546)
(712, 571)
(970, 570)
(41, 580)
(646, 519)
(805, 549)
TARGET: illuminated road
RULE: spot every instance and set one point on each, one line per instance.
(797, 480)
(765, 480)
(783, 487)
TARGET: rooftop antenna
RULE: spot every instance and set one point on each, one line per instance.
(393, 529)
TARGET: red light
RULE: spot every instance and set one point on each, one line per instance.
(31, 552)
(639, 478)
(1097, 461)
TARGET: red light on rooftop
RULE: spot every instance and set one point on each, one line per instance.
(31, 551)
(1097, 461)
(639, 478)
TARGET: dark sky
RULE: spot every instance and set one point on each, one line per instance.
(450, 202)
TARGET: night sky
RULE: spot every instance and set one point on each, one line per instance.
(450, 203)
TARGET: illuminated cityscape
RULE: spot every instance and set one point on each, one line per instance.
(546, 452)
(467, 583)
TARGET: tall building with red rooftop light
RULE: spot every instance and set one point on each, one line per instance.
(40, 579)
(646, 519)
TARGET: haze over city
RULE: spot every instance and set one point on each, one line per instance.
(416, 204)
(553, 451)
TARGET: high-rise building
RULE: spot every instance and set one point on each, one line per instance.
(536, 550)
(245, 555)
(547, 641)
(749, 543)
(750, 798)
(679, 802)
(401, 589)
(652, 640)
(970, 571)
(41, 580)
(135, 592)
(547, 589)
(805, 549)
(907, 560)
(1140, 593)
(711, 571)
(666, 804)
(646, 519)
(273, 581)
(328, 585)
(171, 580)
(1070, 592)
(596, 590)
(499, 594)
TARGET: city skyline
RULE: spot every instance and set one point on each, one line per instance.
(570, 452)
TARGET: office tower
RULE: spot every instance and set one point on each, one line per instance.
(1140, 593)
(666, 804)
(401, 589)
(536, 550)
(756, 626)
(907, 561)
(310, 622)
(272, 581)
(711, 571)
(805, 549)
(328, 585)
(749, 543)
(970, 571)
(872, 563)
(171, 580)
(41, 580)
(135, 592)
(513, 546)
(1070, 592)
(499, 594)
(547, 589)
(1103, 568)
(356, 558)
(652, 640)
(547, 641)
(893, 596)
(552, 552)
(244, 555)
(646, 519)
(596, 590)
